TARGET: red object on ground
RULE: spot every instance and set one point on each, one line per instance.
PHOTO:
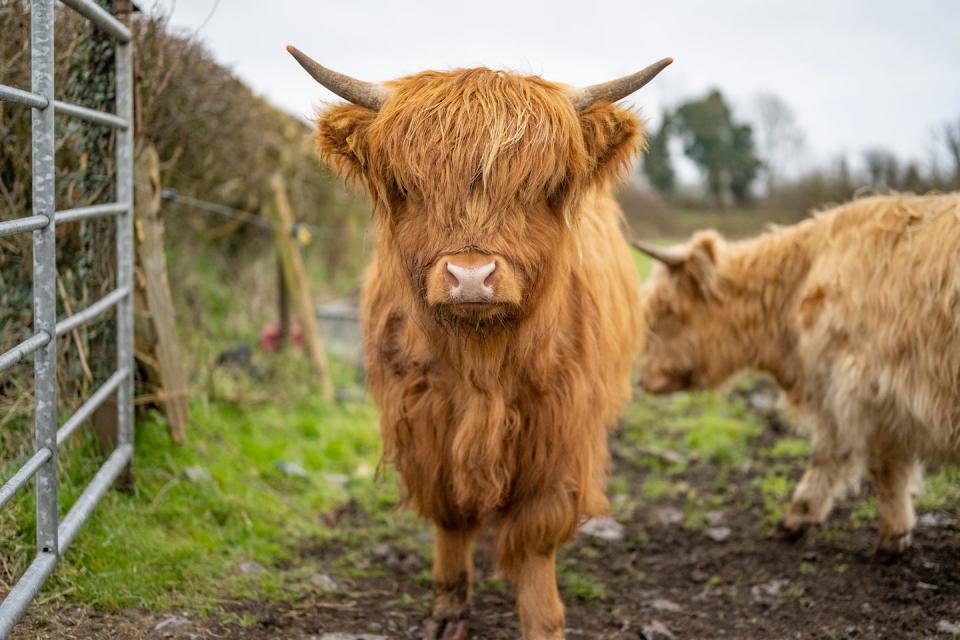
(270, 336)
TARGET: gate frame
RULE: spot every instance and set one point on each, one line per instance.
(53, 534)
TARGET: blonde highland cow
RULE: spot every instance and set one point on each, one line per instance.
(856, 314)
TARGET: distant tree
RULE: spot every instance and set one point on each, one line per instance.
(844, 177)
(951, 141)
(743, 164)
(883, 168)
(779, 138)
(723, 149)
(912, 180)
(656, 162)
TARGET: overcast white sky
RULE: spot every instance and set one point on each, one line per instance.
(857, 73)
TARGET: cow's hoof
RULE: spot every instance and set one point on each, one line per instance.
(891, 547)
(783, 533)
(445, 630)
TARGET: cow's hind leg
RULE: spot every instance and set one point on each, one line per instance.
(452, 584)
(896, 473)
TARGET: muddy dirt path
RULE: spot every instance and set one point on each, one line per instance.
(669, 571)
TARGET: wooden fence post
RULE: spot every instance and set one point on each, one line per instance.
(297, 283)
(173, 394)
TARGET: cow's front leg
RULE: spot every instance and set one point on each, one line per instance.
(527, 544)
(832, 469)
(538, 600)
(452, 584)
(896, 473)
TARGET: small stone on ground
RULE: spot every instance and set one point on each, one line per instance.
(250, 567)
(291, 469)
(323, 582)
(197, 474)
(662, 604)
(171, 622)
(605, 528)
(952, 628)
(656, 630)
(718, 534)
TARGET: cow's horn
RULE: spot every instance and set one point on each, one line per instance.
(364, 94)
(667, 257)
(617, 89)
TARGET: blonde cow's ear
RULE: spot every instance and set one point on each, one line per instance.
(700, 264)
(342, 139)
(613, 137)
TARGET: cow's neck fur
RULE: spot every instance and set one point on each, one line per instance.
(762, 279)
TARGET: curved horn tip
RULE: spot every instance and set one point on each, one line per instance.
(620, 88)
(364, 94)
(665, 256)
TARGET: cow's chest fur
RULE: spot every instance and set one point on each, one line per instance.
(472, 438)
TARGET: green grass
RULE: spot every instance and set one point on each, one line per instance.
(697, 426)
(577, 585)
(173, 542)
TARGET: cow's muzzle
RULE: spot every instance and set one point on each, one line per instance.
(472, 279)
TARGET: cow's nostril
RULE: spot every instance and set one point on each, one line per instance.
(493, 275)
(450, 276)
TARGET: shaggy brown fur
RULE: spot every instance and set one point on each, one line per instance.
(495, 413)
(856, 313)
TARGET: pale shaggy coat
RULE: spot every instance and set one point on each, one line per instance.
(856, 313)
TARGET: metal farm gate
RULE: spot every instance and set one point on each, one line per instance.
(53, 534)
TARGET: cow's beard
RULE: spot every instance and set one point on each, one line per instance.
(476, 319)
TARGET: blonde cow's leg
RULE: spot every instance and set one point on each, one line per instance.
(896, 473)
(834, 466)
(452, 584)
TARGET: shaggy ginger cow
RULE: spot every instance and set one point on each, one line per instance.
(499, 312)
(856, 314)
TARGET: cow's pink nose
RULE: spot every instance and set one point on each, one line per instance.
(471, 284)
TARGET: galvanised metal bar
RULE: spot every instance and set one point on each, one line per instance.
(21, 477)
(25, 590)
(92, 494)
(12, 94)
(90, 115)
(124, 150)
(91, 312)
(98, 16)
(53, 538)
(93, 211)
(23, 349)
(21, 225)
(44, 275)
(91, 405)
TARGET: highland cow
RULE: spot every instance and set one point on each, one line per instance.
(500, 311)
(856, 314)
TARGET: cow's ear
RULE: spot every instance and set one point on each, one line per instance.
(700, 264)
(342, 139)
(613, 137)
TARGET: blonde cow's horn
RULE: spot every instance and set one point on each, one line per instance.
(666, 256)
